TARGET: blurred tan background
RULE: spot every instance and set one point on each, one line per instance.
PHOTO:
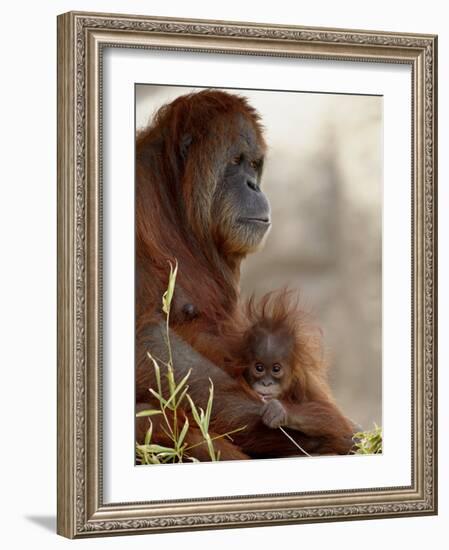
(323, 177)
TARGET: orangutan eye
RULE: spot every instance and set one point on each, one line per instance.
(276, 368)
(259, 367)
(237, 160)
(257, 164)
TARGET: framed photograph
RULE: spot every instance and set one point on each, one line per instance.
(246, 274)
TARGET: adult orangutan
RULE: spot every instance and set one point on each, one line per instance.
(199, 201)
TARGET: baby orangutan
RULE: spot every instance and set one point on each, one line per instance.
(270, 371)
(279, 358)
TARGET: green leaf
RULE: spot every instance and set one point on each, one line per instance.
(149, 434)
(154, 448)
(167, 454)
(171, 380)
(209, 405)
(183, 433)
(194, 411)
(168, 294)
(157, 372)
(148, 412)
(183, 394)
(210, 447)
(158, 396)
(178, 388)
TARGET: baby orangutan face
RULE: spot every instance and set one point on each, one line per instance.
(269, 371)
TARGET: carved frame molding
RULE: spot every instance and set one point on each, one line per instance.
(81, 39)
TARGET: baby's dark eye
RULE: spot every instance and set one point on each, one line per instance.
(259, 367)
(276, 368)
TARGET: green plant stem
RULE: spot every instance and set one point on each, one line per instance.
(170, 367)
(227, 434)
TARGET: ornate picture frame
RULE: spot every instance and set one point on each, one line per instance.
(82, 40)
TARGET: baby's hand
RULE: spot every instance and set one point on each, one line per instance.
(274, 414)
